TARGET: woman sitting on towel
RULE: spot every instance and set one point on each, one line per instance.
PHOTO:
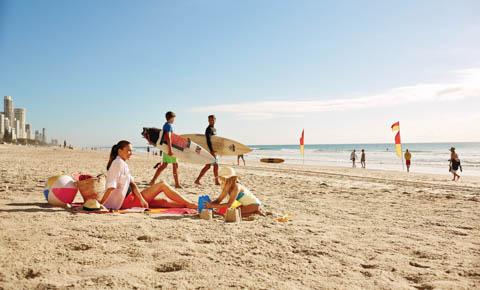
(122, 192)
(249, 203)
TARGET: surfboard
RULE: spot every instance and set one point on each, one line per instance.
(184, 149)
(272, 160)
(222, 146)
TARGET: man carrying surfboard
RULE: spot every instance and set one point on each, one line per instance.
(209, 132)
(168, 157)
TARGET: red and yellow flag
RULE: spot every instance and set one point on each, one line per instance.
(302, 143)
(398, 142)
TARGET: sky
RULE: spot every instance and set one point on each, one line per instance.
(95, 72)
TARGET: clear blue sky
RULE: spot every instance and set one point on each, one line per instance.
(95, 72)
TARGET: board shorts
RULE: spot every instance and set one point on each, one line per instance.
(408, 162)
(168, 159)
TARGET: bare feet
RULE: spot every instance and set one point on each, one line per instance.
(178, 186)
(197, 182)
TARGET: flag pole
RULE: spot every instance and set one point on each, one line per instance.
(403, 165)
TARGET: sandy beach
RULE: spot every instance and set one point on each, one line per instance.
(351, 229)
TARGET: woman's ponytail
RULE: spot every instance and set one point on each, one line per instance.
(114, 151)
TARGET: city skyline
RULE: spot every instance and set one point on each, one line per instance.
(13, 124)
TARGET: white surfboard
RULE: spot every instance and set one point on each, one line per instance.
(184, 149)
(222, 146)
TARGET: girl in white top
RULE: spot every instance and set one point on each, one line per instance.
(122, 192)
(249, 203)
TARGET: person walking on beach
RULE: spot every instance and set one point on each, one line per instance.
(238, 159)
(168, 157)
(353, 157)
(122, 192)
(209, 132)
(454, 164)
(362, 158)
(408, 158)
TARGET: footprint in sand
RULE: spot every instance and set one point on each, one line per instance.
(415, 264)
(81, 247)
(172, 266)
(369, 266)
(145, 238)
(32, 274)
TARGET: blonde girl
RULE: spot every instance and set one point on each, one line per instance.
(235, 191)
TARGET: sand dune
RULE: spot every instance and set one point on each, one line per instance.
(350, 229)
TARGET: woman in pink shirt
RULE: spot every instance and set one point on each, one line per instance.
(122, 191)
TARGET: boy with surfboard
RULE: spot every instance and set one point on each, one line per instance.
(209, 132)
(168, 157)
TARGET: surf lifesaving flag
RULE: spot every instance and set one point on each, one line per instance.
(302, 143)
(398, 142)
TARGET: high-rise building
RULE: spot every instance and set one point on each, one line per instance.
(2, 125)
(28, 131)
(18, 131)
(44, 135)
(7, 124)
(8, 107)
(20, 117)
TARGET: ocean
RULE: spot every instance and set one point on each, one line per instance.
(426, 157)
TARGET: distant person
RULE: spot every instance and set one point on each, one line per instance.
(238, 159)
(408, 159)
(168, 157)
(148, 150)
(454, 164)
(64, 143)
(353, 157)
(122, 192)
(209, 132)
(362, 158)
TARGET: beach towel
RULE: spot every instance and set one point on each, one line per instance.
(78, 208)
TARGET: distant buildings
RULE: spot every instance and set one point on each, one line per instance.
(8, 107)
(19, 114)
(28, 131)
(2, 125)
(14, 127)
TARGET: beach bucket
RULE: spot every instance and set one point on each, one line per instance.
(91, 187)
